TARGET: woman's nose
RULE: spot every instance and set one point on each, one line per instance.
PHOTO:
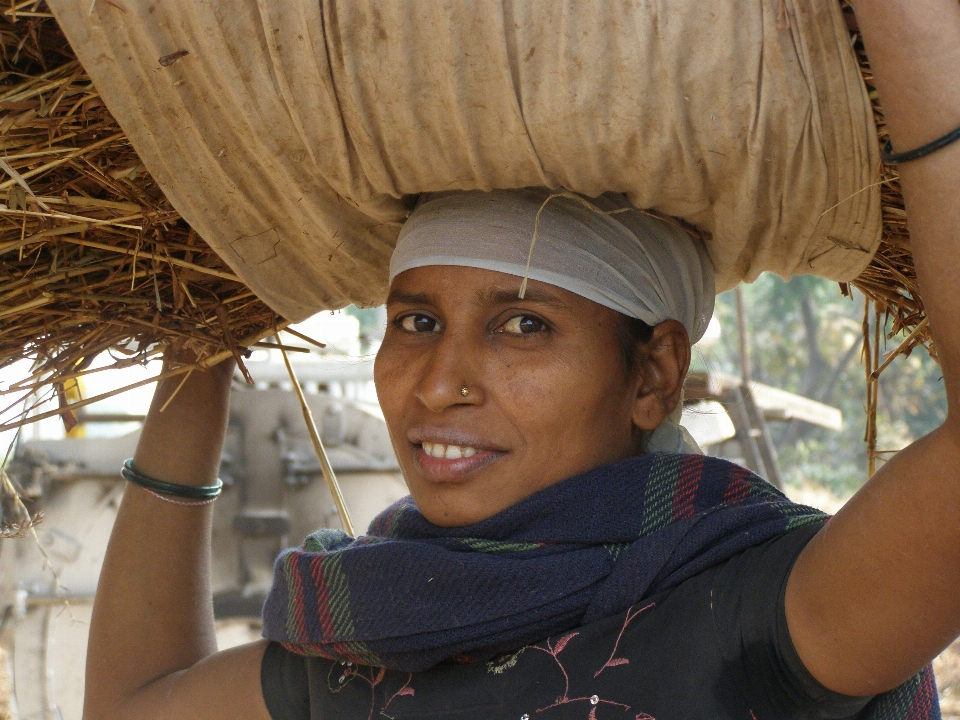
(448, 377)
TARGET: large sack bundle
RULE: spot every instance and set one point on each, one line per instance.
(292, 135)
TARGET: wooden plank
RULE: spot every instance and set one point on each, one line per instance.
(705, 386)
(775, 404)
(796, 407)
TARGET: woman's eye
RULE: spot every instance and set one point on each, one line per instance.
(419, 324)
(523, 325)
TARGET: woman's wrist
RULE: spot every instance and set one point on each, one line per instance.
(182, 436)
(913, 49)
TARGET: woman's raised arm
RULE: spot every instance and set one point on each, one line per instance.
(152, 650)
(876, 595)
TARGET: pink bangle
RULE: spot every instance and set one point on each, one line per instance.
(188, 503)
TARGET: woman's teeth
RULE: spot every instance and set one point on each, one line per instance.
(450, 452)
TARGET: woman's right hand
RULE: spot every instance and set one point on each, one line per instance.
(152, 651)
(182, 438)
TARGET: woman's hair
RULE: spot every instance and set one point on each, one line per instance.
(632, 333)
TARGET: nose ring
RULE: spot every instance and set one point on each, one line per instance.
(464, 391)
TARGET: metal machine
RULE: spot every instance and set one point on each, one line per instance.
(274, 496)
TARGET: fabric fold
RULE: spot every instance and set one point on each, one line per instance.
(410, 594)
(296, 142)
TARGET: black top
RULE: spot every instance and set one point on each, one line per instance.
(715, 647)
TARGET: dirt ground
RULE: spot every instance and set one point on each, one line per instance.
(947, 669)
(4, 687)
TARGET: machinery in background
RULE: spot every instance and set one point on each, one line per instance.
(274, 495)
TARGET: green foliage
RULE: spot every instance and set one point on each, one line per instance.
(372, 325)
(806, 355)
(370, 318)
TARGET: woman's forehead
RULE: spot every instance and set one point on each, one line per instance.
(443, 284)
(602, 249)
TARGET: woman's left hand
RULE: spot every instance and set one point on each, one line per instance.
(876, 594)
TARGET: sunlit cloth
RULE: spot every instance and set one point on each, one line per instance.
(602, 249)
(750, 121)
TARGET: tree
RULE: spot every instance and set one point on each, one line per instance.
(805, 337)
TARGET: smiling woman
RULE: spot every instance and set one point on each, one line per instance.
(549, 393)
(565, 552)
(540, 509)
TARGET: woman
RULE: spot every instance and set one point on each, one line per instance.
(515, 418)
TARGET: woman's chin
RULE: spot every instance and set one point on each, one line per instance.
(459, 499)
(451, 513)
(453, 470)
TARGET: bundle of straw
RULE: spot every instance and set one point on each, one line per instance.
(890, 281)
(93, 258)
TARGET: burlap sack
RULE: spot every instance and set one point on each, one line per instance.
(292, 133)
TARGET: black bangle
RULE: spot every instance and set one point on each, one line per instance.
(892, 158)
(193, 492)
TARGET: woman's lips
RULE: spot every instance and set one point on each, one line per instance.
(441, 462)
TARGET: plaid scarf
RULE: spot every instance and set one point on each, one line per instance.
(410, 594)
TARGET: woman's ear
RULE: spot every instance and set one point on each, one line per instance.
(661, 372)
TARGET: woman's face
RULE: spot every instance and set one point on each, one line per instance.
(548, 392)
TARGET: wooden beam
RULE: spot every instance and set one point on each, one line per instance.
(775, 404)
(790, 406)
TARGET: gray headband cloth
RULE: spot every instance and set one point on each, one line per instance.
(620, 257)
(603, 249)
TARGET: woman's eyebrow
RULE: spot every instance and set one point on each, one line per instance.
(505, 297)
(396, 296)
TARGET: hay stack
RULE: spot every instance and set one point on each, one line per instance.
(93, 258)
(890, 280)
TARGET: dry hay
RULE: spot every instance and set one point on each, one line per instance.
(890, 280)
(93, 258)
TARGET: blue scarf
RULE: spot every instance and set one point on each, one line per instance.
(410, 594)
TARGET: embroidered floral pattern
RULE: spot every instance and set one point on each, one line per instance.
(501, 664)
(614, 661)
(595, 701)
(372, 677)
(595, 706)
